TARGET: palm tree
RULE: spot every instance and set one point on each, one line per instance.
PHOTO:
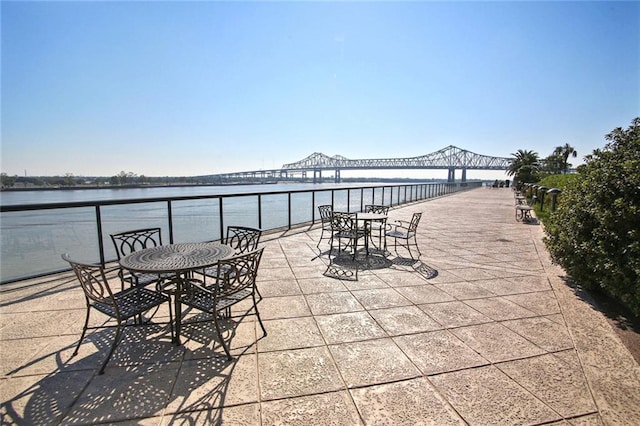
(565, 152)
(525, 166)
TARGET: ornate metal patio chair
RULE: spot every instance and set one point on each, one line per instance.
(236, 281)
(121, 306)
(344, 226)
(325, 219)
(378, 228)
(130, 241)
(243, 239)
(406, 233)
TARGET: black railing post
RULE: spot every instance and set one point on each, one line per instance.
(170, 219)
(99, 229)
(259, 211)
(313, 206)
(289, 209)
(221, 218)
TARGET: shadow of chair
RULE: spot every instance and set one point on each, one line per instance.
(404, 234)
(120, 306)
(235, 282)
(325, 220)
(128, 242)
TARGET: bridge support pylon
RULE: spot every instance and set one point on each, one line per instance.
(452, 175)
(337, 176)
(464, 175)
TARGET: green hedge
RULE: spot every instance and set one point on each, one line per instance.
(595, 232)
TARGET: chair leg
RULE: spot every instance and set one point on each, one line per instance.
(255, 308)
(84, 331)
(224, 345)
(415, 240)
(173, 336)
(113, 347)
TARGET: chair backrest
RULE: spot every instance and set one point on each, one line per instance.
(414, 222)
(93, 281)
(237, 273)
(325, 213)
(374, 208)
(130, 241)
(242, 238)
(344, 222)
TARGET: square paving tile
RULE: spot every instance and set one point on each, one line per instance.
(532, 282)
(123, 393)
(425, 293)
(246, 415)
(472, 274)
(333, 303)
(283, 307)
(410, 402)
(401, 278)
(366, 282)
(214, 382)
(275, 274)
(380, 298)
(372, 362)
(200, 340)
(290, 333)
(349, 327)
(465, 290)
(404, 320)
(454, 314)
(333, 408)
(540, 302)
(543, 332)
(438, 352)
(41, 399)
(320, 285)
(485, 396)
(500, 286)
(556, 380)
(499, 308)
(279, 288)
(297, 372)
(496, 342)
(445, 276)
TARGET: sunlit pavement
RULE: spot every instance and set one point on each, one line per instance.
(481, 330)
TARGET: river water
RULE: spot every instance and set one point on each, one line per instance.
(32, 241)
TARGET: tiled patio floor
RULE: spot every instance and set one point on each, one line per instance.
(482, 330)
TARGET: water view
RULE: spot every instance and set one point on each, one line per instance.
(32, 240)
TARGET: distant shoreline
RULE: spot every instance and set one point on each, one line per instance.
(184, 185)
(94, 187)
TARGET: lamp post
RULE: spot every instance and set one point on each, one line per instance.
(541, 191)
(554, 195)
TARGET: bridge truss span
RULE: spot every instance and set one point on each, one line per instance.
(449, 158)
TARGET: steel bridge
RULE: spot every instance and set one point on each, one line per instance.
(449, 158)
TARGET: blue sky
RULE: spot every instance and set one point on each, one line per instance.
(193, 88)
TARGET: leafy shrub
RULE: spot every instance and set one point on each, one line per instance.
(595, 232)
(553, 181)
(558, 181)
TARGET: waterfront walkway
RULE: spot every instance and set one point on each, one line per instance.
(483, 330)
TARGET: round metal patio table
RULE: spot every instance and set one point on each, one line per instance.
(176, 259)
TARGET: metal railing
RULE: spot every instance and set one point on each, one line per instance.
(33, 236)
